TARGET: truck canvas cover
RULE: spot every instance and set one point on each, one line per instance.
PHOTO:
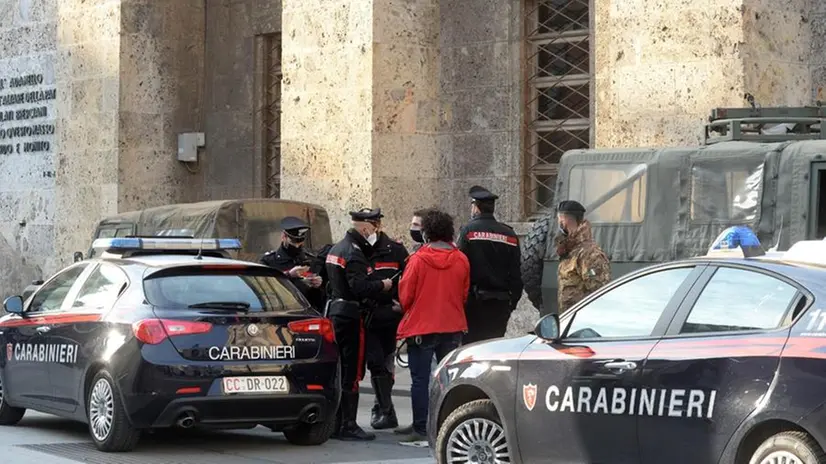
(254, 221)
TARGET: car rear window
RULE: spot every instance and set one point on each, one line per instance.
(258, 288)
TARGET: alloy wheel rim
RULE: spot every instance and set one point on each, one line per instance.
(478, 441)
(101, 409)
(781, 457)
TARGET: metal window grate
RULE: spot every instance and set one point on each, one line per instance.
(271, 114)
(557, 112)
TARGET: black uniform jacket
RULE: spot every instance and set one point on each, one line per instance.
(388, 259)
(348, 269)
(285, 258)
(495, 259)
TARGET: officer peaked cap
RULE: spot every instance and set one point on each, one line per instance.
(366, 215)
(294, 227)
(571, 207)
(478, 193)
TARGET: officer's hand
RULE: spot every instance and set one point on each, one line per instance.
(314, 281)
(388, 284)
(298, 271)
(397, 306)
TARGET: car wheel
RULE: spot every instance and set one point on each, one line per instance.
(473, 433)
(108, 425)
(789, 448)
(311, 434)
(9, 415)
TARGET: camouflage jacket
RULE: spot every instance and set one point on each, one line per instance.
(583, 266)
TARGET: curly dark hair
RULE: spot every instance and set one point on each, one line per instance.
(437, 226)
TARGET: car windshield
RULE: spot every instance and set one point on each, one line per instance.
(250, 291)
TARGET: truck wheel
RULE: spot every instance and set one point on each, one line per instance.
(9, 415)
(108, 425)
(533, 259)
(789, 447)
(311, 434)
(473, 433)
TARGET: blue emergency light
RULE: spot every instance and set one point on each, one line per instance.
(737, 237)
(168, 243)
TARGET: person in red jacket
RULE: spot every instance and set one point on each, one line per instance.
(432, 294)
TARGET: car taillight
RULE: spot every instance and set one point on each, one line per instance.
(154, 331)
(319, 326)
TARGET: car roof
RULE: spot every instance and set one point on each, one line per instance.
(171, 260)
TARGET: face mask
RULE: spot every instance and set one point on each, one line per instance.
(416, 235)
(372, 238)
(563, 231)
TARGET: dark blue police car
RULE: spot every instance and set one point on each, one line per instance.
(162, 332)
(707, 360)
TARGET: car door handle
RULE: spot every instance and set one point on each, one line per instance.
(621, 365)
(43, 329)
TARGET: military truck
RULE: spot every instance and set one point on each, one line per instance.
(256, 222)
(764, 168)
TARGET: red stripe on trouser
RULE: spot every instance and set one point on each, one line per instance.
(360, 368)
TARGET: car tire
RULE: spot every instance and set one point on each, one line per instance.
(9, 415)
(533, 259)
(789, 444)
(103, 401)
(311, 434)
(463, 422)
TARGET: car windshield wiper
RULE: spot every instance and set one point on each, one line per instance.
(230, 305)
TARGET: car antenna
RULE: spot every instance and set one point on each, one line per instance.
(201, 250)
(779, 234)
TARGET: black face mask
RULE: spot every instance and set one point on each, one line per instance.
(416, 235)
(563, 231)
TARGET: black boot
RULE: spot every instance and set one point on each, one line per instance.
(349, 428)
(375, 413)
(384, 394)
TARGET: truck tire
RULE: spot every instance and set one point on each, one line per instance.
(533, 260)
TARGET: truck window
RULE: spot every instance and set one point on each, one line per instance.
(613, 193)
(726, 191)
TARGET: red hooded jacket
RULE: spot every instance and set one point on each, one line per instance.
(433, 291)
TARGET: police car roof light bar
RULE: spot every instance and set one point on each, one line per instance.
(167, 243)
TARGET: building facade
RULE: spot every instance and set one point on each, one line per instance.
(346, 103)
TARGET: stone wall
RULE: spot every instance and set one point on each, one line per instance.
(161, 95)
(480, 76)
(327, 101)
(29, 45)
(232, 164)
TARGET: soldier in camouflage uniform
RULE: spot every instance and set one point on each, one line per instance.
(583, 266)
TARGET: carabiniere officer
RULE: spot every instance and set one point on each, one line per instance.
(492, 247)
(349, 290)
(293, 260)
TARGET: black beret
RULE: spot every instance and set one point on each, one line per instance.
(478, 193)
(366, 215)
(294, 227)
(570, 206)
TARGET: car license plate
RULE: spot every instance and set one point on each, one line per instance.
(266, 384)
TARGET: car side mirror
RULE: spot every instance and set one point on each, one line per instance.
(13, 305)
(78, 256)
(548, 328)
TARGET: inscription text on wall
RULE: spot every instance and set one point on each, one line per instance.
(26, 122)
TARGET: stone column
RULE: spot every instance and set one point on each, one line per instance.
(660, 71)
(359, 113)
(88, 89)
(327, 104)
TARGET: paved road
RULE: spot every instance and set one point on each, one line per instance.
(41, 438)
